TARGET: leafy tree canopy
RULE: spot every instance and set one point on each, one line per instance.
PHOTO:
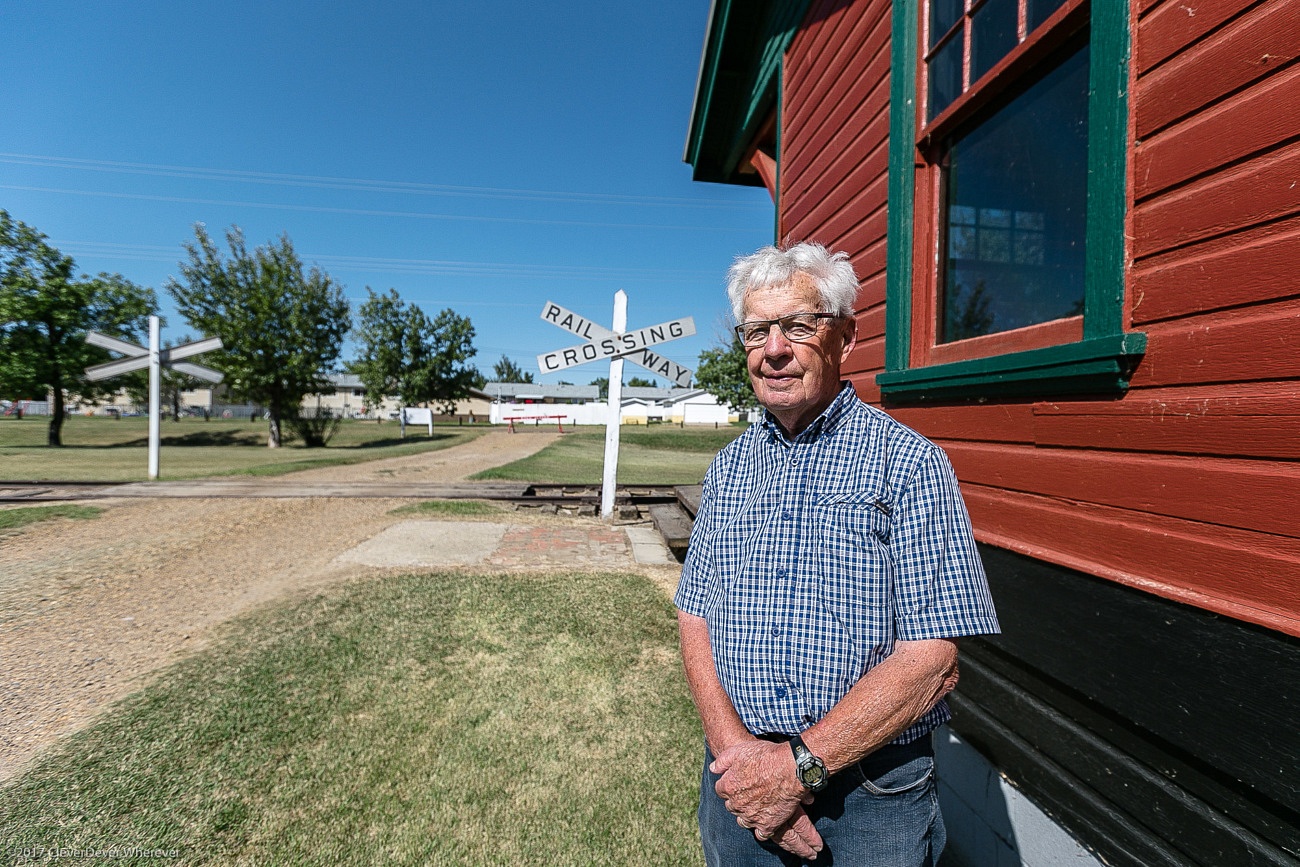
(722, 373)
(45, 314)
(402, 352)
(506, 370)
(282, 328)
(640, 382)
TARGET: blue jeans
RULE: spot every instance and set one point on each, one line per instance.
(881, 812)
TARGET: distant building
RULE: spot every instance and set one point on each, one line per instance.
(347, 397)
(582, 404)
(531, 392)
(672, 405)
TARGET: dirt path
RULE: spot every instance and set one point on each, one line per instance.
(89, 610)
(493, 449)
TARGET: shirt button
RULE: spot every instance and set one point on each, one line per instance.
(780, 573)
(787, 515)
(775, 632)
(807, 718)
(780, 692)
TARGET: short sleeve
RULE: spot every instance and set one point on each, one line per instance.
(940, 587)
(692, 594)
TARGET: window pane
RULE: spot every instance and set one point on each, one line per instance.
(993, 34)
(1015, 195)
(943, 14)
(945, 77)
(1040, 10)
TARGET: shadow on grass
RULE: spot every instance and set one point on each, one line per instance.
(199, 438)
(397, 441)
(235, 438)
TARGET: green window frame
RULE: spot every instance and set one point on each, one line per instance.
(1104, 358)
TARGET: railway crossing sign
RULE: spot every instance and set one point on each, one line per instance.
(603, 343)
(155, 358)
(614, 344)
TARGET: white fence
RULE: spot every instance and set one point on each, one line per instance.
(550, 413)
(596, 413)
(29, 407)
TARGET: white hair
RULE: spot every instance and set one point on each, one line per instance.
(832, 274)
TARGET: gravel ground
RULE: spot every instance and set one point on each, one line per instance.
(89, 610)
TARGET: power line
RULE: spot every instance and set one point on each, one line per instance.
(365, 185)
(163, 253)
(368, 212)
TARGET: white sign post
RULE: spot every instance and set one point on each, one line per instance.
(614, 420)
(616, 345)
(415, 415)
(155, 358)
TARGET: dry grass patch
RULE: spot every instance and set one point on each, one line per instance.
(433, 719)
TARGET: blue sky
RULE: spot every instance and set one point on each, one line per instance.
(485, 156)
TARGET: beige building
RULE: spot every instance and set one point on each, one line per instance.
(347, 397)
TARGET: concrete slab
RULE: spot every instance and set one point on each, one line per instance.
(429, 543)
(648, 546)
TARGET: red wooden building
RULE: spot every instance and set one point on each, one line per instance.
(1077, 226)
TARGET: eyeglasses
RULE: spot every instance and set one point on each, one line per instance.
(797, 328)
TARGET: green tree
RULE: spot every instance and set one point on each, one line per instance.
(641, 382)
(506, 370)
(45, 314)
(403, 352)
(723, 374)
(282, 328)
(381, 333)
(441, 373)
(601, 382)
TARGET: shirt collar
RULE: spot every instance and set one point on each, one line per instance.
(829, 419)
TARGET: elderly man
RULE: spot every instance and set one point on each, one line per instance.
(830, 567)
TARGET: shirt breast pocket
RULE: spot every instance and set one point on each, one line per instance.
(855, 569)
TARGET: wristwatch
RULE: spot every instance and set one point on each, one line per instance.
(810, 769)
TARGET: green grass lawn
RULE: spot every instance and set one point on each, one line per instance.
(660, 455)
(433, 719)
(449, 508)
(106, 449)
(23, 515)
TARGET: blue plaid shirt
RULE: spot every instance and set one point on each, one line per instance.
(810, 557)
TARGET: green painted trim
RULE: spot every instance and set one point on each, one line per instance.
(780, 124)
(1104, 359)
(1102, 364)
(765, 93)
(902, 186)
(738, 84)
(1107, 168)
(708, 80)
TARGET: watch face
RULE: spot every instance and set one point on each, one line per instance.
(812, 774)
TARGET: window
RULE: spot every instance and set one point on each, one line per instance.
(1007, 205)
(1012, 212)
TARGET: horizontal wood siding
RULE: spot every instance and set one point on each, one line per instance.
(1242, 269)
(1186, 486)
(835, 157)
(1244, 51)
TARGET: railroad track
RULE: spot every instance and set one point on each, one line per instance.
(671, 507)
(518, 492)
